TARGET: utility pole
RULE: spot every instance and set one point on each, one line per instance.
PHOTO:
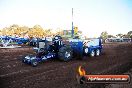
(72, 24)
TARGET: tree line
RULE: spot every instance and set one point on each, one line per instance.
(38, 31)
(104, 35)
(21, 31)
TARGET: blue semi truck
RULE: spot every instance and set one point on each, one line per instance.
(74, 48)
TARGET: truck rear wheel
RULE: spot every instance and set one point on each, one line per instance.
(65, 53)
(97, 52)
(92, 54)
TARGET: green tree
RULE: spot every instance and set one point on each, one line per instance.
(38, 31)
(125, 36)
(111, 36)
(119, 35)
(48, 32)
(129, 34)
(104, 35)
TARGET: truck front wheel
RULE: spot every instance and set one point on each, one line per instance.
(85, 50)
(23, 60)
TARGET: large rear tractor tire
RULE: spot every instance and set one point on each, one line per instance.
(65, 53)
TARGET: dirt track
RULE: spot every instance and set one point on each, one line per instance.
(115, 59)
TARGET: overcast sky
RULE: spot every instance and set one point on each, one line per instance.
(91, 16)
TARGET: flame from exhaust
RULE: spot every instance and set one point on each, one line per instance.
(81, 71)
